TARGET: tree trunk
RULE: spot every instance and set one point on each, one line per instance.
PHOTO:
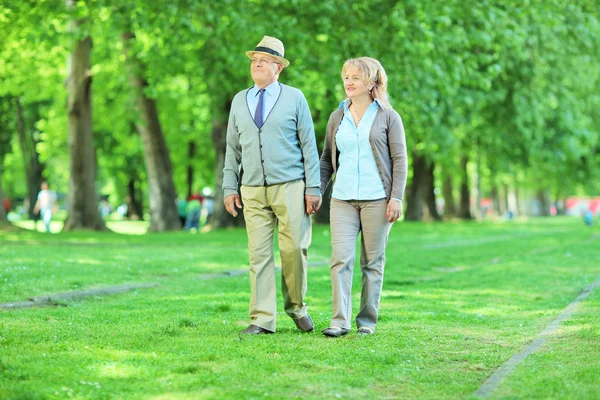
(464, 211)
(505, 203)
(495, 200)
(33, 168)
(134, 201)
(519, 206)
(82, 199)
(416, 193)
(3, 219)
(544, 203)
(476, 191)
(448, 192)
(190, 168)
(429, 177)
(163, 206)
(221, 218)
(561, 208)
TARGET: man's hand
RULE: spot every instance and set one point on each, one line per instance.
(394, 210)
(231, 203)
(313, 203)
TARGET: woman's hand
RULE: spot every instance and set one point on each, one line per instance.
(313, 203)
(394, 210)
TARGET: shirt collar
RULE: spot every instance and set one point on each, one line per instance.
(346, 103)
(271, 89)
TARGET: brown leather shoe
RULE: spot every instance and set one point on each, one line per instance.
(255, 330)
(305, 323)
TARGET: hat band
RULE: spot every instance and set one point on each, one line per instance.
(268, 50)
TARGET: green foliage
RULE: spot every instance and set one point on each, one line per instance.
(7, 124)
(512, 86)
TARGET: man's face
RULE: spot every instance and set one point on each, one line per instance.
(264, 69)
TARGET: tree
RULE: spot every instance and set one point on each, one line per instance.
(3, 219)
(163, 210)
(512, 91)
(82, 198)
(28, 140)
(5, 120)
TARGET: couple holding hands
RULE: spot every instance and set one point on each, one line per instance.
(272, 159)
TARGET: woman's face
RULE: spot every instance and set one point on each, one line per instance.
(354, 84)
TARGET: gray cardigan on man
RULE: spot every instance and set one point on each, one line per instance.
(388, 144)
(283, 150)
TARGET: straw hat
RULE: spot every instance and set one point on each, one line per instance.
(272, 47)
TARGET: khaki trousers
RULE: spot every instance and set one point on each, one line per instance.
(347, 219)
(264, 207)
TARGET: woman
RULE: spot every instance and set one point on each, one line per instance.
(365, 148)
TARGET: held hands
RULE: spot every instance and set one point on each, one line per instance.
(313, 203)
(394, 210)
(231, 203)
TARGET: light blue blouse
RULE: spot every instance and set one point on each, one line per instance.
(357, 177)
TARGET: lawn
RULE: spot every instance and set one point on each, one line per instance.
(459, 300)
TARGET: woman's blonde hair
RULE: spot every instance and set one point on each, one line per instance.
(373, 74)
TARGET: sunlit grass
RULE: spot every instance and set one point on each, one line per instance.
(122, 227)
(128, 227)
(453, 309)
(55, 226)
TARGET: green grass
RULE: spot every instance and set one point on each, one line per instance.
(459, 300)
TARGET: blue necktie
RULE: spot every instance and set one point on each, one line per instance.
(258, 114)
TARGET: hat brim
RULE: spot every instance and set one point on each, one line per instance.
(251, 53)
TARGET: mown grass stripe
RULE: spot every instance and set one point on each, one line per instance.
(38, 301)
(501, 373)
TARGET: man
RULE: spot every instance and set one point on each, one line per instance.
(272, 154)
(193, 212)
(45, 205)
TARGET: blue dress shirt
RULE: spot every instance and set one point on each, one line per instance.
(271, 95)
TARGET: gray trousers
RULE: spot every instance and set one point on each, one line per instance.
(347, 219)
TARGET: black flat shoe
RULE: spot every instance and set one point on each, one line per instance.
(335, 331)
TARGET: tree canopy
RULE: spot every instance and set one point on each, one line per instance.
(497, 96)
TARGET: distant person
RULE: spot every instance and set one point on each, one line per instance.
(105, 208)
(196, 196)
(45, 205)
(182, 210)
(193, 212)
(209, 206)
(6, 204)
(122, 210)
(365, 149)
(270, 134)
(588, 217)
